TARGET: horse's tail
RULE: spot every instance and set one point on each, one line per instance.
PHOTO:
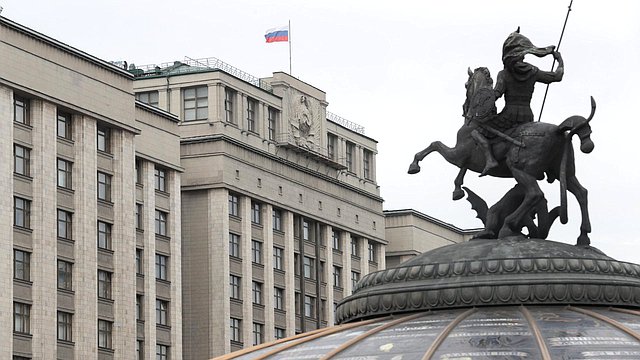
(563, 179)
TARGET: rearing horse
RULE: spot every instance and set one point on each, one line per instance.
(531, 151)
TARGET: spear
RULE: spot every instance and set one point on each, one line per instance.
(554, 59)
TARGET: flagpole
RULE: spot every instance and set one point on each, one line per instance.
(290, 73)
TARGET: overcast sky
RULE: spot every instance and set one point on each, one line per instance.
(398, 68)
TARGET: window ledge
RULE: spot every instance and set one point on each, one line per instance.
(67, 190)
(66, 342)
(162, 281)
(237, 301)
(23, 282)
(23, 125)
(22, 335)
(105, 202)
(22, 229)
(162, 192)
(105, 153)
(66, 291)
(23, 177)
(105, 300)
(163, 326)
(163, 237)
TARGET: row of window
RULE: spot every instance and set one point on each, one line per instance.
(258, 332)
(161, 265)
(350, 150)
(162, 310)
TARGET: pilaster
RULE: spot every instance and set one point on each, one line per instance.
(247, 278)
(149, 257)
(175, 265)
(218, 269)
(267, 236)
(287, 226)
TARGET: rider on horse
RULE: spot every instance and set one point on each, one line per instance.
(516, 82)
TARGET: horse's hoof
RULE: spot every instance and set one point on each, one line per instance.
(458, 194)
(414, 168)
(583, 240)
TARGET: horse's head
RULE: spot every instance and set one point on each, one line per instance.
(578, 125)
(478, 79)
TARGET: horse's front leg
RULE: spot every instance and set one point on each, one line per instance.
(458, 193)
(414, 168)
(574, 186)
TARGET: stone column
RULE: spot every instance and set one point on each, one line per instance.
(363, 245)
(290, 285)
(43, 223)
(247, 278)
(149, 256)
(345, 239)
(328, 272)
(175, 265)
(382, 263)
(218, 269)
(267, 236)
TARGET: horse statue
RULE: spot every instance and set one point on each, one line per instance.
(526, 153)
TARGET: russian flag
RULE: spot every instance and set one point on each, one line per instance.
(277, 34)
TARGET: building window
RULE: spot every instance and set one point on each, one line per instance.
(251, 115)
(277, 219)
(196, 104)
(21, 318)
(64, 173)
(332, 142)
(305, 230)
(65, 225)
(233, 205)
(162, 352)
(234, 287)
(104, 235)
(104, 334)
(296, 264)
(256, 217)
(367, 158)
(160, 179)
(258, 334)
(104, 186)
(139, 261)
(138, 169)
(256, 251)
(337, 276)
(278, 258)
(139, 350)
(235, 330)
(309, 268)
(272, 119)
(148, 97)
(21, 212)
(335, 236)
(21, 160)
(161, 223)
(234, 245)
(65, 326)
(309, 306)
(355, 277)
(139, 218)
(278, 298)
(64, 125)
(104, 139)
(371, 247)
(162, 312)
(162, 263)
(21, 265)
(279, 333)
(355, 251)
(139, 307)
(256, 289)
(351, 148)
(104, 284)
(229, 99)
(65, 275)
(21, 110)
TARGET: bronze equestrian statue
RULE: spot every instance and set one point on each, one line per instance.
(510, 144)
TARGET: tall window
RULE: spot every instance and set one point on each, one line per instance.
(251, 115)
(104, 334)
(21, 212)
(162, 312)
(160, 179)
(234, 287)
(272, 119)
(21, 265)
(256, 290)
(104, 235)
(309, 268)
(21, 318)
(305, 231)
(277, 219)
(162, 263)
(65, 275)
(279, 333)
(21, 110)
(139, 262)
(64, 125)
(21, 160)
(162, 352)
(278, 258)
(278, 298)
(332, 142)
(148, 97)
(258, 334)
(337, 276)
(139, 307)
(161, 223)
(233, 205)
(64, 225)
(139, 215)
(309, 306)
(355, 251)
(256, 217)
(64, 173)
(355, 277)
(65, 326)
(335, 236)
(138, 169)
(234, 245)
(104, 186)
(236, 331)
(196, 104)
(104, 139)
(367, 158)
(256, 251)
(371, 247)
(104, 284)
(351, 148)
(139, 349)
(229, 99)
